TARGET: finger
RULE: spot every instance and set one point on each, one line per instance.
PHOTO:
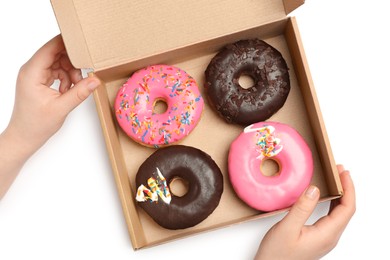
(345, 210)
(65, 82)
(75, 75)
(78, 93)
(334, 203)
(65, 62)
(48, 53)
(56, 65)
(340, 168)
(348, 200)
(341, 214)
(301, 210)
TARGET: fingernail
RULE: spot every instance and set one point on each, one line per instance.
(312, 192)
(92, 85)
(340, 168)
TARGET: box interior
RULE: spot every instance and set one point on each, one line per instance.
(213, 135)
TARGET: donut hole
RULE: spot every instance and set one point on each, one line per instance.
(160, 106)
(246, 81)
(178, 186)
(270, 168)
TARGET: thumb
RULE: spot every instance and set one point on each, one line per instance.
(78, 93)
(301, 210)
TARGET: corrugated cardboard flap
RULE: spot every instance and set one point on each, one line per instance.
(101, 34)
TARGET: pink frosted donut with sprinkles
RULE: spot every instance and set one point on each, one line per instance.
(136, 99)
(270, 141)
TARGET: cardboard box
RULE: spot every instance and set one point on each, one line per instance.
(118, 37)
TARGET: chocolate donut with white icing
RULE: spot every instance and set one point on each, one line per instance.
(195, 167)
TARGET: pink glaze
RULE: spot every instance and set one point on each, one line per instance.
(136, 98)
(287, 147)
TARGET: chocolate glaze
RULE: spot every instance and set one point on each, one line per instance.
(256, 59)
(205, 186)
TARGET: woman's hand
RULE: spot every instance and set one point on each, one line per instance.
(39, 110)
(292, 239)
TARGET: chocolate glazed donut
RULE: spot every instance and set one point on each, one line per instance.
(264, 64)
(205, 186)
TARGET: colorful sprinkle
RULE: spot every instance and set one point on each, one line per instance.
(268, 145)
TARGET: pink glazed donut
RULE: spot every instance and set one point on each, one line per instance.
(270, 141)
(135, 101)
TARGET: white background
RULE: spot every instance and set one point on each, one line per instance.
(64, 203)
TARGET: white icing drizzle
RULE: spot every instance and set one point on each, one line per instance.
(157, 188)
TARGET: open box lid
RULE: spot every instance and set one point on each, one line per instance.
(101, 34)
